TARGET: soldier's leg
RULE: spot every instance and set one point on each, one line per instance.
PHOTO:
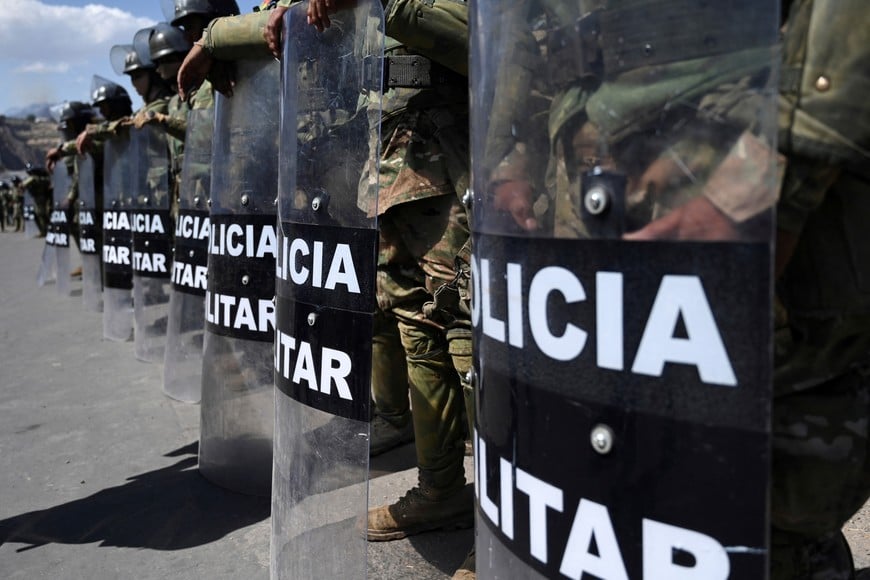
(821, 476)
(424, 230)
(391, 425)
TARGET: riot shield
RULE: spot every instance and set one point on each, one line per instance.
(623, 171)
(325, 285)
(151, 225)
(117, 240)
(182, 371)
(90, 234)
(238, 402)
(28, 211)
(58, 235)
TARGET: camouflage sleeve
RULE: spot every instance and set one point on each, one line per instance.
(437, 29)
(175, 126)
(68, 148)
(237, 37)
(203, 97)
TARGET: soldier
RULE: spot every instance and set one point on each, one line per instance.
(39, 186)
(74, 118)
(821, 453)
(425, 249)
(4, 194)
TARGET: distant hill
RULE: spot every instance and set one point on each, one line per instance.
(23, 141)
(38, 110)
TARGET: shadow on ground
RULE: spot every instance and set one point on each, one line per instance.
(166, 509)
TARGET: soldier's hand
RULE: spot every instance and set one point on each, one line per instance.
(51, 157)
(319, 11)
(274, 31)
(698, 219)
(84, 142)
(143, 117)
(193, 71)
(515, 197)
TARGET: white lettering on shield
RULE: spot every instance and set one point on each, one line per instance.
(239, 313)
(299, 363)
(302, 262)
(679, 298)
(589, 520)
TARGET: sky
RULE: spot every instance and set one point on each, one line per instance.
(50, 50)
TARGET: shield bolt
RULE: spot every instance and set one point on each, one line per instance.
(315, 203)
(208, 202)
(191, 253)
(147, 201)
(312, 319)
(596, 200)
(275, 201)
(246, 280)
(196, 200)
(468, 198)
(146, 243)
(602, 439)
(245, 199)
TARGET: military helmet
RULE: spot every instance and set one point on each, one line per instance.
(74, 112)
(163, 40)
(4, 185)
(103, 90)
(126, 59)
(175, 10)
(16, 180)
(32, 169)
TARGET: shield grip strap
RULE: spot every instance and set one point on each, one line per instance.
(613, 41)
(415, 71)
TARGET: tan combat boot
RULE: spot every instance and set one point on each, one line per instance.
(421, 510)
(466, 570)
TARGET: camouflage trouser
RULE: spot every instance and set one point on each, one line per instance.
(389, 371)
(821, 475)
(418, 285)
(821, 451)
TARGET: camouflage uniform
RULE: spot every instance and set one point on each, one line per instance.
(39, 187)
(423, 174)
(821, 464)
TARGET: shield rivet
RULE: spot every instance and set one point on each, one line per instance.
(275, 201)
(147, 201)
(246, 280)
(312, 319)
(190, 253)
(208, 202)
(146, 243)
(468, 198)
(823, 83)
(245, 199)
(602, 439)
(596, 200)
(196, 200)
(315, 203)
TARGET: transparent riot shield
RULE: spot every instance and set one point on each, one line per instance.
(325, 283)
(28, 212)
(90, 211)
(151, 224)
(623, 171)
(58, 235)
(182, 370)
(238, 402)
(117, 239)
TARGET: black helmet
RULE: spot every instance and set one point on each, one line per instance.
(103, 90)
(4, 185)
(175, 10)
(16, 180)
(163, 40)
(32, 169)
(73, 113)
(126, 59)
